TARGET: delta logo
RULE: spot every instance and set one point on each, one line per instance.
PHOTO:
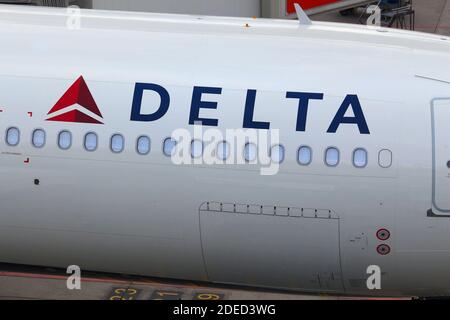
(76, 105)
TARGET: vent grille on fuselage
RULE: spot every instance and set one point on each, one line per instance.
(45, 3)
(55, 3)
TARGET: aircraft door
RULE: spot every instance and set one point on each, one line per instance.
(440, 111)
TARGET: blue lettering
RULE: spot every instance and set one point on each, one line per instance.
(136, 114)
(198, 104)
(249, 111)
(303, 98)
(350, 100)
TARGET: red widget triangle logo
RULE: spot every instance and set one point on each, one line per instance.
(80, 94)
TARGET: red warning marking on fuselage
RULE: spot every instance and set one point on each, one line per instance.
(383, 249)
(30, 114)
(383, 234)
(27, 161)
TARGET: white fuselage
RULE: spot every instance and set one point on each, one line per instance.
(309, 227)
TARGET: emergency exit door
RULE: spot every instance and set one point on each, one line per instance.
(440, 114)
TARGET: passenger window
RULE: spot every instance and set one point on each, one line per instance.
(223, 150)
(385, 158)
(277, 154)
(250, 152)
(332, 157)
(117, 143)
(196, 149)
(12, 137)
(64, 140)
(38, 138)
(360, 158)
(304, 156)
(90, 141)
(169, 147)
(143, 145)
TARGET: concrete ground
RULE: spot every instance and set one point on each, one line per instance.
(33, 283)
(432, 16)
(30, 283)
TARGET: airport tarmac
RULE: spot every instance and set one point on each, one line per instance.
(19, 282)
(33, 283)
(432, 16)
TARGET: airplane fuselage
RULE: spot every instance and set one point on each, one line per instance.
(362, 117)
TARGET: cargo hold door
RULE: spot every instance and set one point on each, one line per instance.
(273, 247)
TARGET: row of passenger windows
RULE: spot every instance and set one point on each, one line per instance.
(65, 141)
(143, 147)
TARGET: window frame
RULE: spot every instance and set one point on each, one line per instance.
(164, 144)
(111, 143)
(149, 145)
(96, 144)
(243, 151)
(203, 149)
(310, 158)
(367, 158)
(32, 138)
(391, 154)
(58, 137)
(280, 145)
(18, 136)
(325, 157)
(217, 150)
